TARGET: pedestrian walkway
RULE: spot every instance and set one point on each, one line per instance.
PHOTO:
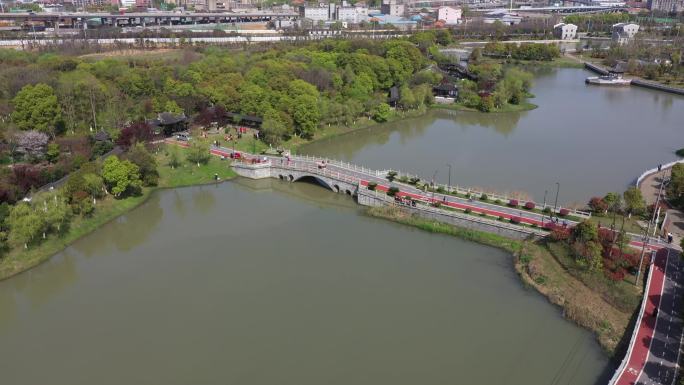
(654, 348)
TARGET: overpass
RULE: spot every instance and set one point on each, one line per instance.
(76, 19)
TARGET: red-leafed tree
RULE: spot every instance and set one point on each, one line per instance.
(135, 132)
(598, 205)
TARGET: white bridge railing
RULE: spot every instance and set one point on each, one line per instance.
(655, 170)
(475, 193)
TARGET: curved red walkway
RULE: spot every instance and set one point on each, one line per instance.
(641, 344)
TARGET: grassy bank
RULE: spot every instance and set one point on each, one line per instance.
(538, 268)
(526, 106)
(18, 259)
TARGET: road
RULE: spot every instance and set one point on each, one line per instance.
(654, 349)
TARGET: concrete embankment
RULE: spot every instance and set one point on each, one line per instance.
(637, 82)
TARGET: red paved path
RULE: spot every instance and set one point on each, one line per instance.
(642, 342)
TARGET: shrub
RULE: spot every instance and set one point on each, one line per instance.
(484, 197)
(392, 191)
(502, 219)
(403, 179)
(467, 195)
(436, 204)
(372, 186)
(467, 211)
(563, 212)
(482, 214)
(529, 205)
(546, 210)
(680, 152)
(515, 220)
(598, 205)
(513, 203)
(441, 190)
(498, 201)
(414, 180)
(391, 175)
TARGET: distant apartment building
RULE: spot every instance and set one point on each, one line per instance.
(392, 8)
(449, 15)
(352, 15)
(315, 13)
(666, 5)
(623, 32)
(564, 31)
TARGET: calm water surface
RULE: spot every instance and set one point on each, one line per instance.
(276, 283)
(590, 139)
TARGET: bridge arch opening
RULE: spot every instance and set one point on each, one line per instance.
(336, 188)
(348, 192)
(281, 177)
(315, 180)
(290, 178)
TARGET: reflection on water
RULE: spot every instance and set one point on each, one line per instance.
(127, 231)
(589, 139)
(280, 283)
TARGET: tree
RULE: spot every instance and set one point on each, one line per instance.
(25, 224)
(614, 201)
(634, 201)
(675, 189)
(306, 115)
(55, 211)
(121, 177)
(135, 132)
(32, 143)
(36, 108)
(381, 113)
(52, 153)
(147, 164)
(174, 158)
(598, 205)
(273, 128)
(198, 153)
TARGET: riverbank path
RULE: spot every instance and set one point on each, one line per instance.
(655, 346)
(649, 186)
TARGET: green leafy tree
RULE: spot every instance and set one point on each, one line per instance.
(273, 127)
(381, 113)
(147, 164)
(55, 210)
(36, 108)
(675, 189)
(198, 153)
(25, 224)
(306, 115)
(52, 153)
(614, 201)
(174, 157)
(121, 177)
(634, 201)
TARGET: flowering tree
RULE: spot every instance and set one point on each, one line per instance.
(32, 143)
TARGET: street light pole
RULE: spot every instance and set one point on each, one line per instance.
(648, 229)
(544, 207)
(555, 203)
(449, 184)
(434, 186)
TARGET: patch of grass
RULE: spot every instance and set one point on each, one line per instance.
(623, 295)
(631, 224)
(526, 106)
(189, 174)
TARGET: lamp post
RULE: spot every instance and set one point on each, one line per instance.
(434, 186)
(544, 207)
(555, 203)
(648, 229)
(449, 183)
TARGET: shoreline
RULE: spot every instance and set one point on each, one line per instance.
(26, 259)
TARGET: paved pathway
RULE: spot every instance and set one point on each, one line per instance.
(649, 189)
(654, 349)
